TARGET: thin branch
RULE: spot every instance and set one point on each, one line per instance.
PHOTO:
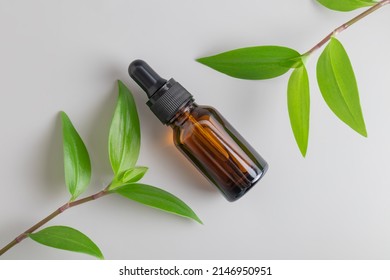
(42, 222)
(344, 26)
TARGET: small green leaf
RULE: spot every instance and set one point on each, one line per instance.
(298, 99)
(346, 5)
(338, 86)
(254, 63)
(131, 175)
(67, 238)
(124, 138)
(76, 159)
(157, 198)
(134, 174)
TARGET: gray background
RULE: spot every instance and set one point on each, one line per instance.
(67, 55)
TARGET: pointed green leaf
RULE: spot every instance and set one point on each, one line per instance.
(346, 5)
(157, 198)
(298, 99)
(338, 86)
(134, 174)
(253, 63)
(124, 138)
(67, 238)
(76, 159)
(131, 175)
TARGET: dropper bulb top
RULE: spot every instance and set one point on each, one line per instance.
(145, 77)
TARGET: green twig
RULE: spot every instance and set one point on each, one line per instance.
(61, 209)
(344, 26)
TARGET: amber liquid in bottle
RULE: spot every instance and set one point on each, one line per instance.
(217, 150)
(201, 134)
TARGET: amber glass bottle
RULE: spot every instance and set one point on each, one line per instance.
(216, 149)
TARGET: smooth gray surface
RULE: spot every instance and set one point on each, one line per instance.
(66, 55)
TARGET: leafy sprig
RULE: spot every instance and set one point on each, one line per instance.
(335, 75)
(124, 146)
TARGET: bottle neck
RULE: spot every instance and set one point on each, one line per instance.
(168, 100)
(183, 114)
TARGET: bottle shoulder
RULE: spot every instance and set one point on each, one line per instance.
(200, 118)
(205, 108)
(205, 113)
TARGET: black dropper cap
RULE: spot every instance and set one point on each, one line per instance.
(166, 98)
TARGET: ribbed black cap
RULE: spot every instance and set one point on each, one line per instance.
(166, 98)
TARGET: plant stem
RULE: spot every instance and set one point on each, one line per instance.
(344, 26)
(64, 207)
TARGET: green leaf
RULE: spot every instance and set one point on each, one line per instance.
(76, 159)
(67, 238)
(134, 174)
(124, 138)
(254, 63)
(346, 5)
(131, 175)
(338, 86)
(157, 198)
(298, 99)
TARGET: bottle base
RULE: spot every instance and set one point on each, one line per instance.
(240, 194)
